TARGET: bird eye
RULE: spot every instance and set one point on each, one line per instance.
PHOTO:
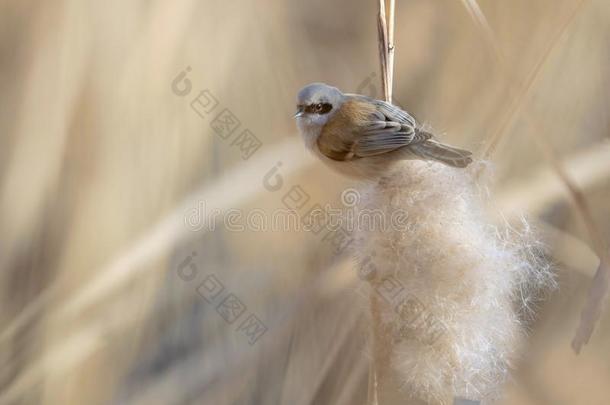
(321, 108)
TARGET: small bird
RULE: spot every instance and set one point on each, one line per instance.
(362, 137)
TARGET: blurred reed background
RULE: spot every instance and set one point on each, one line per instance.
(101, 161)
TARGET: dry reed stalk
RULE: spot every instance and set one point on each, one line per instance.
(599, 288)
(390, 51)
(515, 96)
(592, 310)
(383, 41)
(381, 340)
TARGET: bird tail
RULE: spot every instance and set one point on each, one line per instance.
(433, 150)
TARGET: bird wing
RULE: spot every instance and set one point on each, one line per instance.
(366, 127)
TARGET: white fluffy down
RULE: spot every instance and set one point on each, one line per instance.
(456, 290)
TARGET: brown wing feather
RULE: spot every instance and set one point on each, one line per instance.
(364, 127)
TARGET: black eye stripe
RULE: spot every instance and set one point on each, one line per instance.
(319, 108)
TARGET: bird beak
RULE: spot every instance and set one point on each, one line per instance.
(299, 112)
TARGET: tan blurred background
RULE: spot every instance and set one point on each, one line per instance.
(101, 160)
